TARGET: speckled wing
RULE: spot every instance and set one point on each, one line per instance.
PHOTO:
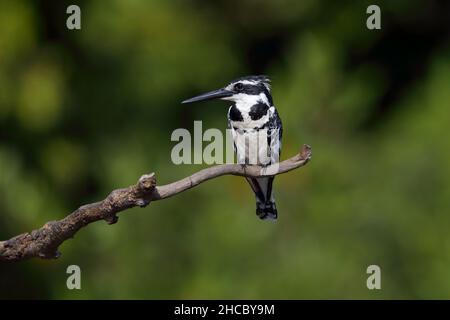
(274, 135)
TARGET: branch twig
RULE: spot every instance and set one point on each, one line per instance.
(44, 242)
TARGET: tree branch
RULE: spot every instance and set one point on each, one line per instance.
(44, 242)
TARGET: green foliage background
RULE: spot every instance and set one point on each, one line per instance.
(84, 112)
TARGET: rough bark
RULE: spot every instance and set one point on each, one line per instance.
(44, 242)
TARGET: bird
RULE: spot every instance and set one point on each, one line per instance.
(256, 130)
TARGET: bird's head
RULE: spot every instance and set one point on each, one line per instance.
(245, 90)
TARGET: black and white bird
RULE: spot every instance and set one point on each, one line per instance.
(256, 129)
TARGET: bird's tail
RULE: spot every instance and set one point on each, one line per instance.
(267, 210)
(265, 203)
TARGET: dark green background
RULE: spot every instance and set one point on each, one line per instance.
(84, 112)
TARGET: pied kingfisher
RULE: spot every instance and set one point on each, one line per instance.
(256, 129)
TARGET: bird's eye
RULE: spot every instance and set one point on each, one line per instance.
(238, 86)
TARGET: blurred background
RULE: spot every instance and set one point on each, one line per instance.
(84, 112)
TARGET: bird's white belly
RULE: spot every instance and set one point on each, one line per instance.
(251, 139)
(252, 147)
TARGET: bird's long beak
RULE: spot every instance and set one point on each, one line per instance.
(216, 94)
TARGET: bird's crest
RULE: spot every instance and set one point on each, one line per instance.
(254, 79)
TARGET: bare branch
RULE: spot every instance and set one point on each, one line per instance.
(44, 242)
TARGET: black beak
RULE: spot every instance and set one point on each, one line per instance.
(216, 94)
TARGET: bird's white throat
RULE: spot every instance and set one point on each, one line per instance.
(245, 101)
